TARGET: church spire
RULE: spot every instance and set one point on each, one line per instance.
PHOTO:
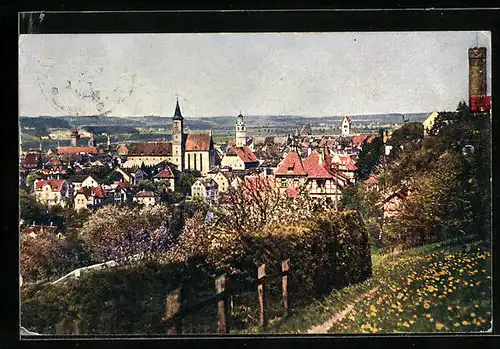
(177, 114)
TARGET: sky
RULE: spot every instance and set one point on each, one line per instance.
(223, 74)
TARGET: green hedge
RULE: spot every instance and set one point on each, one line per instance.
(329, 252)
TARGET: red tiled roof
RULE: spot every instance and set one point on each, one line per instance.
(30, 160)
(92, 191)
(291, 191)
(166, 173)
(371, 180)
(198, 142)
(150, 148)
(124, 185)
(54, 162)
(244, 153)
(358, 140)
(291, 165)
(258, 181)
(76, 150)
(98, 192)
(312, 161)
(320, 172)
(85, 191)
(55, 184)
(348, 163)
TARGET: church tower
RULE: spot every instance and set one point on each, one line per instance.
(241, 138)
(346, 127)
(75, 136)
(178, 138)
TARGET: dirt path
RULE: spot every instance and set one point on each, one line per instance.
(324, 327)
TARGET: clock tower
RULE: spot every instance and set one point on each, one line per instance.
(178, 138)
(241, 138)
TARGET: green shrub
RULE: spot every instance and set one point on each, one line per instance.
(329, 251)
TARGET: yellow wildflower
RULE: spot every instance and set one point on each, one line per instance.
(472, 314)
(456, 324)
(465, 322)
(426, 305)
(449, 307)
(439, 326)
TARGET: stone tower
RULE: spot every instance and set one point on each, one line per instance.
(75, 136)
(477, 73)
(241, 137)
(178, 138)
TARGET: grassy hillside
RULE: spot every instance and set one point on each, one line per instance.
(435, 288)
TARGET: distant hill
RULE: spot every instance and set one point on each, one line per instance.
(110, 124)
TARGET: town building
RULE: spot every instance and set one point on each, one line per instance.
(90, 198)
(78, 181)
(186, 151)
(240, 158)
(205, 188)
(120, 192)
(199, 153)
(146, 198)
(372, 183)
(221, 178)
(131, 175)
(53, 192)
(168, 176)
(291, 172)
(393, 203)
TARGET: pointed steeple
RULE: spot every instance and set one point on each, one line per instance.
(177, 114)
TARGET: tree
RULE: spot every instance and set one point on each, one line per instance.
(408, 132)
(42, 257)
(118, 232)
(146, 185)
(31, 210)
(186, 180)
(369, 157)
(30, 180)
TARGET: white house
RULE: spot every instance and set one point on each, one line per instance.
(205, 188)
(221, 180)
(146, 198)
(53, 192)
(239, 158)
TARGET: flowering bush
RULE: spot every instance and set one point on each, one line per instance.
(118, 233)
(42, 257)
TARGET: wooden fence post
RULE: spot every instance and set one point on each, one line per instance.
(285, 268)
(261, 274)
(221, 289)
(172, 309)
